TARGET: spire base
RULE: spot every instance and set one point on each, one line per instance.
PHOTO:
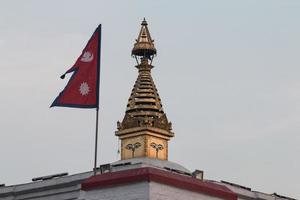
(144, 142)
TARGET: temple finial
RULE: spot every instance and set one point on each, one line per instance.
(144, 22)
(144, 46)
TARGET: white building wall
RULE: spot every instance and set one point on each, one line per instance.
(130, 191)
(143, 191)
(165, 192)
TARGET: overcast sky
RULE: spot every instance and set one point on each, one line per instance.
(227, 73)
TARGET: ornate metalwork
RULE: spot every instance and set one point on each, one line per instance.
(133, 147)
(144, 111)
(144, 107)
(157, 147)
(144, 46)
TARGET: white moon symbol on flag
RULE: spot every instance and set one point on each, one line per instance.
(87, 57)
(84, 89)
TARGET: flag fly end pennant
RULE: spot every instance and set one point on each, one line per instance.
(82, 90)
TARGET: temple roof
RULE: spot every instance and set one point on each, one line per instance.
(148, 162)
(144, 107)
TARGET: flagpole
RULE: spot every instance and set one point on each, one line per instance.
(99, 29)
(96, 141)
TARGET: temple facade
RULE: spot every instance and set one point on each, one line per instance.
(144, 171)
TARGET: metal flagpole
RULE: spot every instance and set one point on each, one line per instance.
(96, 142)
(97, 109)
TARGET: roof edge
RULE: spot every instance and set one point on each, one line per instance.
(160, 176)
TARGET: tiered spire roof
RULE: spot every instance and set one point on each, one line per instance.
(144, 104)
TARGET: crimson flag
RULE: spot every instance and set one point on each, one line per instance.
(82, 90)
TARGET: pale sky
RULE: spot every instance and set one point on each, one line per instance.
(227, 73)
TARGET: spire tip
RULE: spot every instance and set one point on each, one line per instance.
(144, 22)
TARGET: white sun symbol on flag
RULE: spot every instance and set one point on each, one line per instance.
(84, 89)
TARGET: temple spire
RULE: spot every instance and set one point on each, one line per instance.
(145, 129)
